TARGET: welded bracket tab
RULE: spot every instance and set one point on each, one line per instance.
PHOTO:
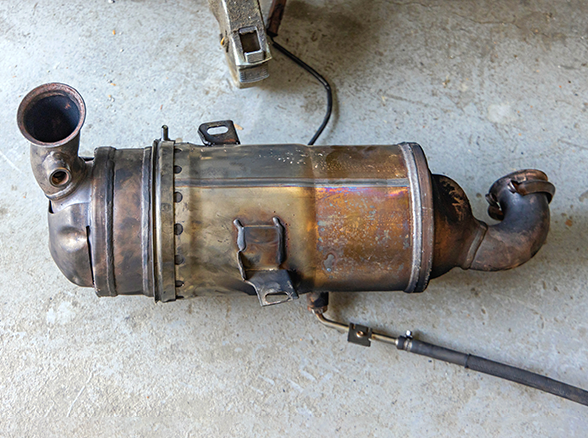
(273, 287)
(228, 137)
(243, 38)
(261, 252)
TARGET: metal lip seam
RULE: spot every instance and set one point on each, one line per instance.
(428, 214)
(101, 222)
(416, 213)
(163, 235)
(147, 222)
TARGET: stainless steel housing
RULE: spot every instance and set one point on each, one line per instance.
(178, 220)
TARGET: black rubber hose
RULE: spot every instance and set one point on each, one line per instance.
(496, 369)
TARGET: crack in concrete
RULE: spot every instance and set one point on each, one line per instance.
(79, 394)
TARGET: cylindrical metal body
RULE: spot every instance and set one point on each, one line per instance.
(355, 217)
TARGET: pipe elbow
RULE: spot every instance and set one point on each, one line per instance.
(51, 117)
(520, 201)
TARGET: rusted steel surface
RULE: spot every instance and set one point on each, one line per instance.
(520, 201)
(364, 237)
(178, 220)
(456, 229)
(317, 301)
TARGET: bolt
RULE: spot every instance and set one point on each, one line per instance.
(165, 133)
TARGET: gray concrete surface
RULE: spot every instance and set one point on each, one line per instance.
(486, 87)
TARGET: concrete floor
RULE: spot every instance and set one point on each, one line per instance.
(486, 87)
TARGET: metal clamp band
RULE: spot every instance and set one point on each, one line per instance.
(163, 227)
(101, 223)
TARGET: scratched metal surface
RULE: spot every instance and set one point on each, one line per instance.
(485, 87)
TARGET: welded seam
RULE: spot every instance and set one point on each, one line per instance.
(108, 223)
(292, 182)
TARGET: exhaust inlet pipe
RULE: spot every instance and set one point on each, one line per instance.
(178, 220)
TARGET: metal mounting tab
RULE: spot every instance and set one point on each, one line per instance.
(261, 252)
(227, 137)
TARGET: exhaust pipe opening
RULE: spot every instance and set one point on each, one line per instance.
(51, 114)
(51, 117)
(520, 201)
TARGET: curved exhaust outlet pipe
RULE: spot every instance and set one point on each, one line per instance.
(519, 200)
(177, 220)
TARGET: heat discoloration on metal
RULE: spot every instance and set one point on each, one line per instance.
(127, 260)
(117, 222)
(346, 212)
(363, 238)
(162, 221)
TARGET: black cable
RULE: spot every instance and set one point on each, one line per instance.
(319, 78)
(496, 369)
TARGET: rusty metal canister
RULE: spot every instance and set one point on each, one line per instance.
(178, 220)
(353, 217)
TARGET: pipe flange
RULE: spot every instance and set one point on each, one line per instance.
(524, 182)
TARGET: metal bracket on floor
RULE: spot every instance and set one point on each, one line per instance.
(243, 38)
